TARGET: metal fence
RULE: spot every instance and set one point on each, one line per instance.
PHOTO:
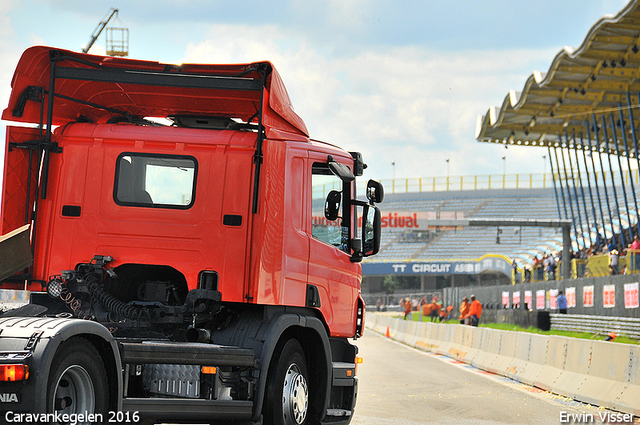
(625, 326)
(492, 297)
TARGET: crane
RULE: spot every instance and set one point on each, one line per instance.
(99, 28)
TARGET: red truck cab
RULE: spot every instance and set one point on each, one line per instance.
(224, 227)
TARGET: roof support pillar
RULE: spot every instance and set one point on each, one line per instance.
(604, 176)
(613, 182)
(564, 203)
(584, 201)
(579, 235)
(553, 179)
(595, 180)
(624, 188)
(634, 140)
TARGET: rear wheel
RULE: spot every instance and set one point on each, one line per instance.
(287, 400)
(77, 381)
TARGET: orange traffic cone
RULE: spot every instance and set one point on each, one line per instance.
(387, 334)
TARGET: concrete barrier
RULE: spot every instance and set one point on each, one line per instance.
(608, 375)
(596, 372)
(629, 400)
(459, 349)
(473, 336)
(446, 333)
(556, 350)
(506, 352)
(577, 361)
(488, 350)
(530, 357)
(518, 362)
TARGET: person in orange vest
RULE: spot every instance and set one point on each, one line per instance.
(443, 314)
(426, 311)
(475, 311)
(407, 309)
(449, 308)
(464, 310)
(435, 311)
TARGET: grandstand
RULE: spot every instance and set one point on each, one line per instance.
(471, 242)
(458, 251)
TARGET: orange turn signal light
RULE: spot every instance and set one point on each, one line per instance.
(358, 361)
(209, 370)
(14, 372)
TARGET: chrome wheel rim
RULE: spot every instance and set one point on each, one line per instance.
(295, 396)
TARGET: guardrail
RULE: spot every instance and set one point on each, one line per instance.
(625, 326)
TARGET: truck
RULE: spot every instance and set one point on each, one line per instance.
(189, 253)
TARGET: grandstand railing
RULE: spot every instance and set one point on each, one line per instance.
(482, 182)
(595, 266)
(492, 181)
(538, 273)
(598, 265)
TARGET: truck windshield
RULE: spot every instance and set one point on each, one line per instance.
(155, 180)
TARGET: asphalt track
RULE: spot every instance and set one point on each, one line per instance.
(399, 385)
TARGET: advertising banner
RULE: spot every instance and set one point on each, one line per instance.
(553, 299)
(609, 296)
(528, 298)
(540, 296)
(631, 299)
(438, 267)
(587, 296)
(571, 297)
(505, 299)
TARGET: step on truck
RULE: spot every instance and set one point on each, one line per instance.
(190, 254)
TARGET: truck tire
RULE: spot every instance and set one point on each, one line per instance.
(78, 380)
(287, 400)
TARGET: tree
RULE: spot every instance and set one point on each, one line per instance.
(389, 284)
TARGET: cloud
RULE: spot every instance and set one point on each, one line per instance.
(399, 81)
(410, 105)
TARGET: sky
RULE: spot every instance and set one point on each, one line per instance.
(402, 81)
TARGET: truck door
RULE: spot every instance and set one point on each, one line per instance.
(19, 184)
(330, 268)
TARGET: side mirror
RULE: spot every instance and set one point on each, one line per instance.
(375, 192)
(332, 205)
(371, 229)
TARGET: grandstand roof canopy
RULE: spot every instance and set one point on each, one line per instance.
(596, 78)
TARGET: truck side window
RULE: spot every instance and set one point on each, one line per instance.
(322, 182)
(149, 180)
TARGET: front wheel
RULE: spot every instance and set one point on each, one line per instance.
(78, 381)
(287, 400)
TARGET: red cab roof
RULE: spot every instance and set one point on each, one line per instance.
(95, 88)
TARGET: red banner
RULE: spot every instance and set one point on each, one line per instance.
(587, 296)
(540, 296)
(631, 298)
(609, 296)
(571, 297)
(528, 299)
